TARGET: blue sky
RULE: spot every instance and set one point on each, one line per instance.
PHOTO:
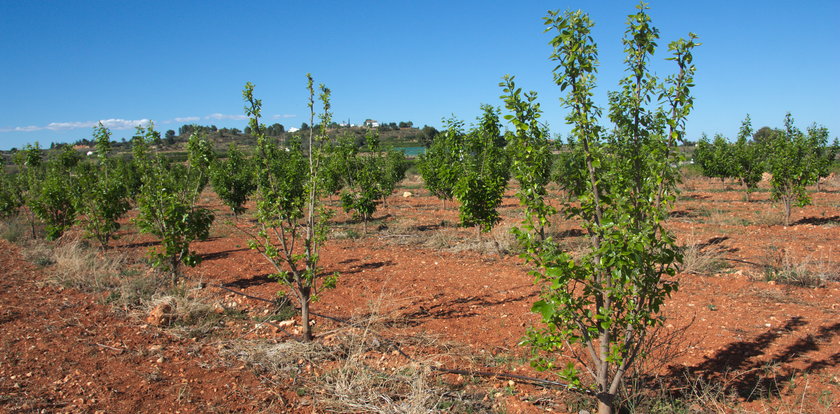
(69, 64)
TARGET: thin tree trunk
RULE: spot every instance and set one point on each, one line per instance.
(787, 211)
(174, 264)
(605, 404)
(304, 315)
(31, 216)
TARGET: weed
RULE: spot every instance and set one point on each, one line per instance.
(184, 394)
(703, 259)
(191, 316)
(154, 375)
(344, 234)
(768, 217)
(14, 229)
(38, 252)
(80, 266)
(500, 241)
(780, 267)
(283, 311)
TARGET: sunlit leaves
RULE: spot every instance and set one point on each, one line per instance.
(624, 180)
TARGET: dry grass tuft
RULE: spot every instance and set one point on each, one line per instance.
(702, 260)
(79, 266)
(500, 241)
(15, 229)
(769, 217)
(779, 266)
(191, 315)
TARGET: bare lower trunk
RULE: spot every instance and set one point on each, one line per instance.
(746, 191)
(174, 264)
(787, 211)
(31, 216)
(306, 330)
(605, 404)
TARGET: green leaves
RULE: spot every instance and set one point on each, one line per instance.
(364, 176)
(11, 195)
(796, 160)
(289, 185)
(624, 179)
(233, 179)
(103, 200)
(51, 196)
(484, 172)
(529, 153)
(167, 207)
(439, 164)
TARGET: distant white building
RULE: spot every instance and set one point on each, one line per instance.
(371, 123)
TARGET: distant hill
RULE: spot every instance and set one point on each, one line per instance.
(173, 144)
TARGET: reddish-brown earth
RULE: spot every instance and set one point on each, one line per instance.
(774, 346)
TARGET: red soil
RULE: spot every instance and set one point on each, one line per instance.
(63, 353)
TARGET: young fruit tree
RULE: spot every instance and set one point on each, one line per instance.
(30, 164)
(233, 179)
(53, 196)
(484, 173)
(11, 195)
(569, 169)
(794, 164)
(824, 155)
(293, 222)
(748, 158)
(716, 158)
(394, 166)
(530, 154)
(103, 197)
(364, 178)
(597, 308)
(168, 204)
(439, 165)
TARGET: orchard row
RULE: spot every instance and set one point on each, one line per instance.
(620, 183)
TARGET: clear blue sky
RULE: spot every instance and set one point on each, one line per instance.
(68, 64)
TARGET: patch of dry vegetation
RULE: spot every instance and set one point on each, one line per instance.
(188, 315)
(703, 259)
(15, 229)
(353, 369)
(126, 284)
(781, 267)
